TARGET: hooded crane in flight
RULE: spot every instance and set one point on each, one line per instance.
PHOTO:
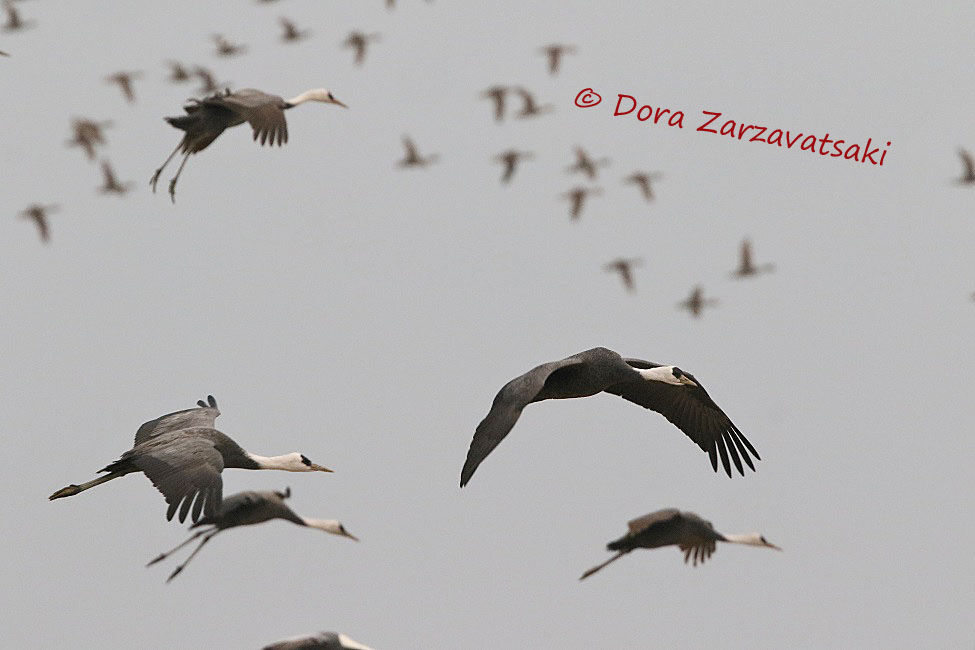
(244, 509)
(671, 527)
(207, 118)
(668, 390)
(320, 641)
(183, 455)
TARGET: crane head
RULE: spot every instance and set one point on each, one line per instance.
(316, 95)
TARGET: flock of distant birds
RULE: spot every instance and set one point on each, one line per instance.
(183, 454)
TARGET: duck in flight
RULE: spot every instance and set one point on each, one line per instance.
(624, 266)
(747, 267)
(668, 390)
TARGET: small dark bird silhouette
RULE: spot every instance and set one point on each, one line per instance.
(358, 41)
(554, 53)
(88, 135)
(578, 196)
(529, 108)
(968, 177)
(696, 302)
(510, 160)
(124, 81)
(38, 214)
(14, 21)
(209, 82)
(497, 95)
(111, 184)
(586, 165)
(624, 266)
(226, 47)
(643, 179)
(178, 72)
(291, 32)
(747, 267)
(2, 53)
(412, 158)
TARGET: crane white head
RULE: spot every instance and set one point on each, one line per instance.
(293, 462)
(316, 95)
(668, 375)
(332, 526)
(751, 539)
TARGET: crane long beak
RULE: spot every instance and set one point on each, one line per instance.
(319, 468)
(772, 546)
(350, 536)
(337, 102)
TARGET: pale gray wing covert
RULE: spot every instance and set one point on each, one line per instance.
(203, 416)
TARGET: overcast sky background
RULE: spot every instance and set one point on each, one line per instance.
(366, 316)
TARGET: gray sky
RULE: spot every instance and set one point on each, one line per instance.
(366, 316)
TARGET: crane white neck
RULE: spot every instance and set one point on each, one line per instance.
(316, 95)
(287, 462)
(751, 539)
(351, 644)
(328, 525)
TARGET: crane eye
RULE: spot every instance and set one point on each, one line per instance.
(304, 460)
(678, 372)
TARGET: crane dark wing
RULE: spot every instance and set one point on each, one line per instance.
(204, 416)
(314, 642)
(508, 404)
(262, 111)
(691, 410)
(187, 472)
(640, 524)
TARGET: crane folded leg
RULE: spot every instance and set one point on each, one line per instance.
(172, 183)
(73, 489)
(182, 566)
(206, 534)
(600, 566)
